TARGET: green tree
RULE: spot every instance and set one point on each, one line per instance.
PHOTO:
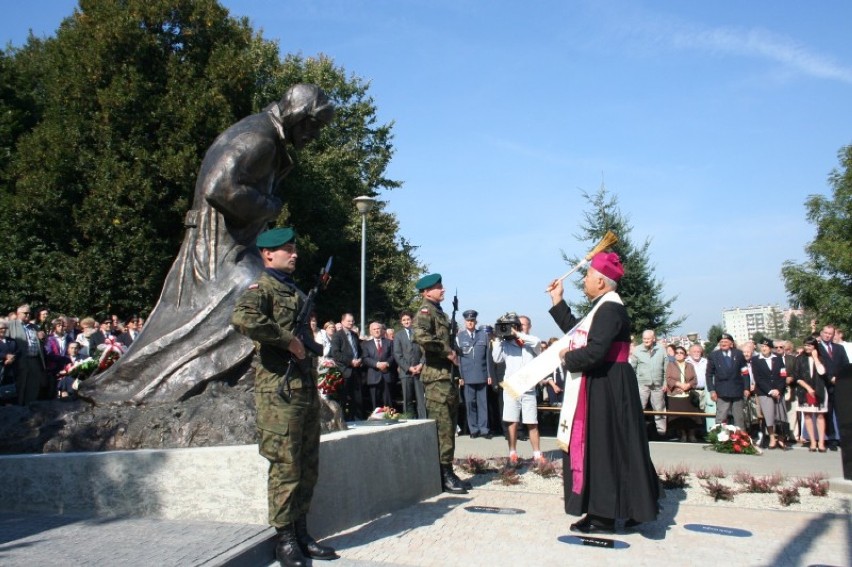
(823, 283)
(107, 130)
(640, 289)
(758, 336)
(775, 324)
(795, 329)
(714, 334)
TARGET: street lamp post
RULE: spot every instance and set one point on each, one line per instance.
(364, 204)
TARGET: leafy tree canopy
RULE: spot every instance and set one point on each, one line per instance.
(102, 131)
(823, 283)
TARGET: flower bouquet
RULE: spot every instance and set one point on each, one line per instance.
(111, 350)
(329, 381)
(731, 439)
(385, 413)
(81, 369)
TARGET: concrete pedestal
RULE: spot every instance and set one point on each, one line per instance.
(365, 472)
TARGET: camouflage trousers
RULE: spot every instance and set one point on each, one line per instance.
(442, 405)
(289, 440)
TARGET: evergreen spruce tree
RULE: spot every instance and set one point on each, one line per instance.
(640, 289)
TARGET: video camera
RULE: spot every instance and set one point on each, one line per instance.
(504, 325)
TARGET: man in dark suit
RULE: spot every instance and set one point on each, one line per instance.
(378, 358)
(727, 384)
(8, 358)
(346, 353)
(409, 361)
(835, 358)
(131, 331)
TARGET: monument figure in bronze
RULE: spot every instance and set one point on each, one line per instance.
(188, 339)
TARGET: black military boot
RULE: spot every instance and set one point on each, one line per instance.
(308, 545)
(465, 484)
(287, 550)
(450, 482)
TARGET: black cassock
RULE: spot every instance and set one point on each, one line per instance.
(619, 479)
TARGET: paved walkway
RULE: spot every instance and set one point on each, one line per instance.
(444, 531)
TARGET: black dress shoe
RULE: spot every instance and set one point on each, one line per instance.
(592, 525)
(631, 524)
(488, 435)
(474, 435)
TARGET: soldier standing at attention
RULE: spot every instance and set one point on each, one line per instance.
(432, 333)
(288, 425)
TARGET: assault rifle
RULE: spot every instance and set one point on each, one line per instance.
(304, 334)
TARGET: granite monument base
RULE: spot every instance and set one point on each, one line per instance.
(365, 472)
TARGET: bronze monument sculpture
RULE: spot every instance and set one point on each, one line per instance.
(188, 339)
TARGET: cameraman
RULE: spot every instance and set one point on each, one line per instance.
(516, 347)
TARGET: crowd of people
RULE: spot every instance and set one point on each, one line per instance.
(40, 351)
(780, 394)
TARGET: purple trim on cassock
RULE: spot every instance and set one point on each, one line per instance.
(577, 444)
(618, 352)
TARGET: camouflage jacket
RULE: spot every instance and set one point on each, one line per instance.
(432, 332)
(266, 313)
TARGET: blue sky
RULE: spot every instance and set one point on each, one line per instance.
(711, 121)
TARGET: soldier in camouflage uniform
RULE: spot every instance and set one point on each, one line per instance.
(432, 333)
(288, 425)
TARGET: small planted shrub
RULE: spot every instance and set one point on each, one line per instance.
(743, 477)
(717, 472)
(473, 465)
(674, 477)
(760, 485)
(819, 488)
(508, 476)
(546, 469)
(719, 491)
(789, 495)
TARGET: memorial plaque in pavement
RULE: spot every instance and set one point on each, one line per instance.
(717, 530)
(493, 510)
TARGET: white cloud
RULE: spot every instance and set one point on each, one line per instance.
(764, 44)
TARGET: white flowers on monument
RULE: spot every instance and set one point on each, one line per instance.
(723, 436)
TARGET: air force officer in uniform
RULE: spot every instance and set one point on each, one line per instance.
(474, 353)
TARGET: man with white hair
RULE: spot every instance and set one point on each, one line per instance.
(649, 362)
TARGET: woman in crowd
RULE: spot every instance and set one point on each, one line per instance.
(770, 383)
(56, 350)
(681, 382)
(810, 378)
(85, 337)
(325, 337)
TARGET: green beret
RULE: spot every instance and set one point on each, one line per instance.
(427, 281)
(276, 237)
